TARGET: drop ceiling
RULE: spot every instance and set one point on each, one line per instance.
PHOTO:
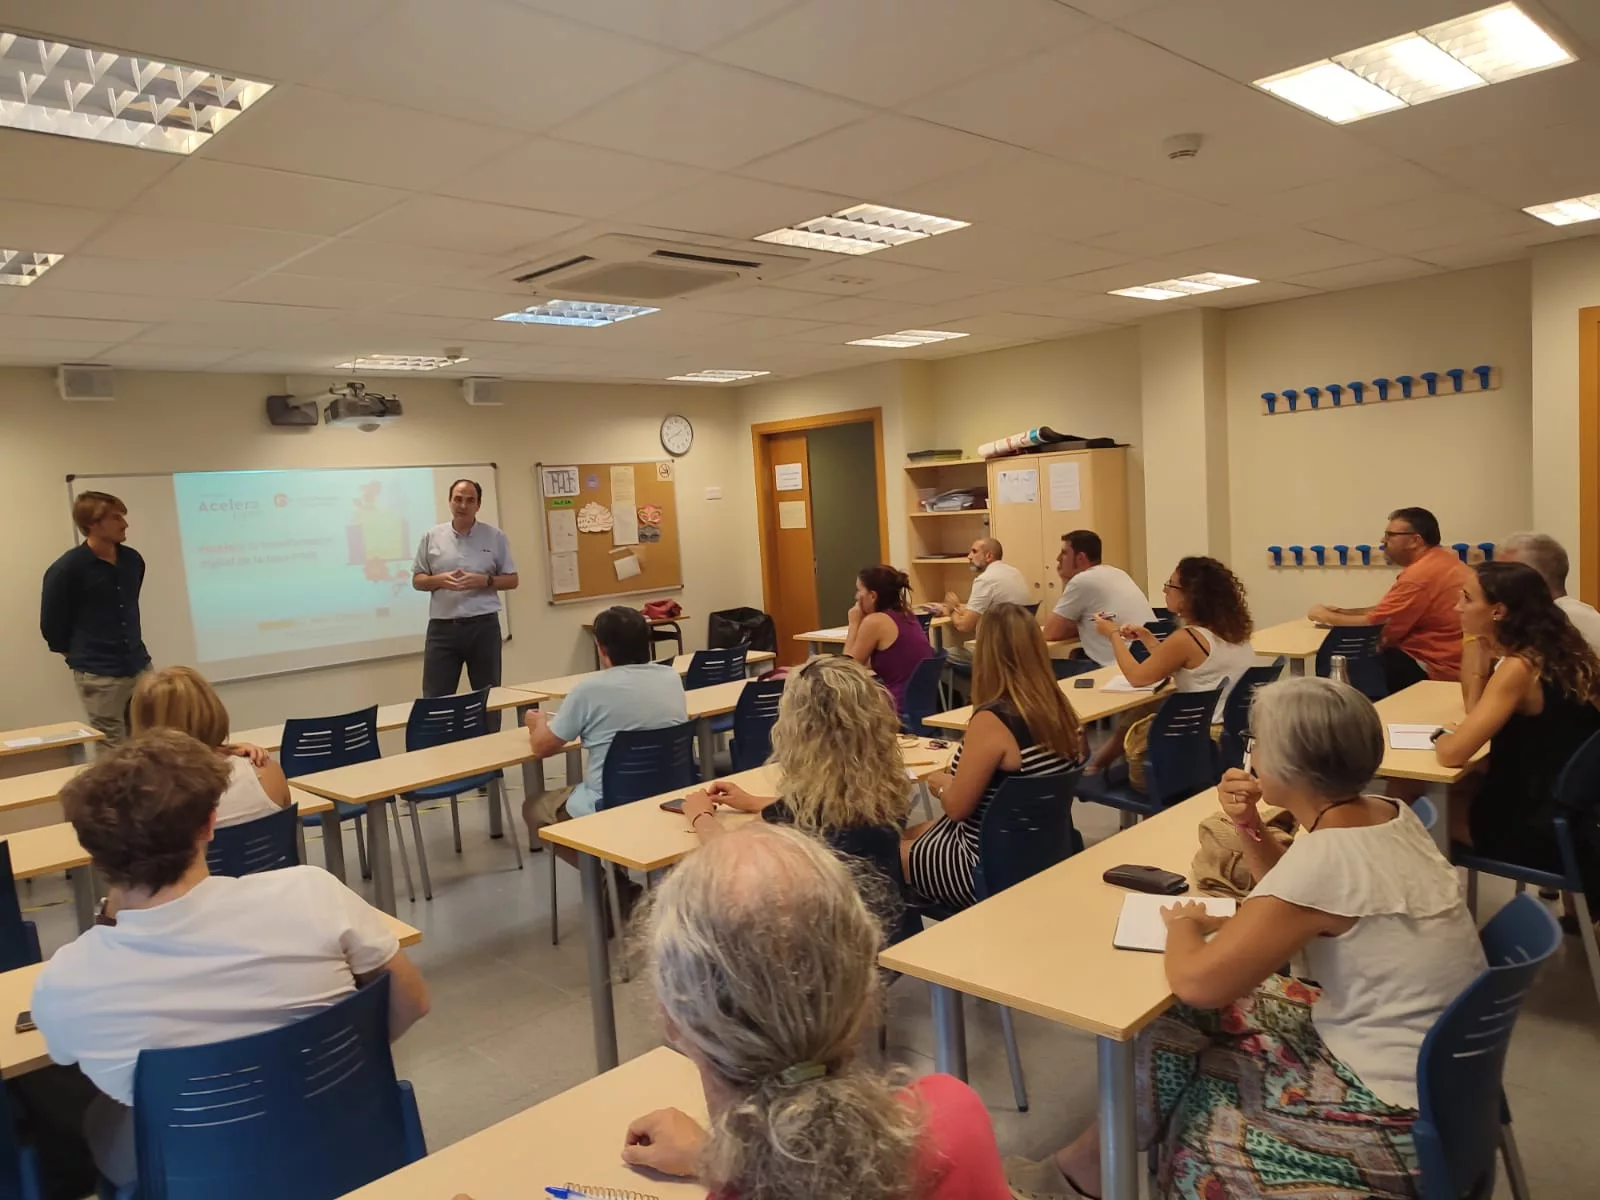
(412, 153)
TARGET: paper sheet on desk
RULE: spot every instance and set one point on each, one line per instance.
(1119, 683)
(1140, 926)
(1411, 737)
(19, 743)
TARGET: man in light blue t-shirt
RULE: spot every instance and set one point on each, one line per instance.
(629, 692)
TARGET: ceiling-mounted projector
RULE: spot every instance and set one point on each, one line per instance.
(354, 407)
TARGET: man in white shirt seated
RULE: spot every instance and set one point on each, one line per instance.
(997, 582)
(1093, 587)
(192, 958)
(1547, 556)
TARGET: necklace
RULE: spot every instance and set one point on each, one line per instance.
(1329, 809)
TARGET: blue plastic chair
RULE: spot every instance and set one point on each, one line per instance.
(312, 744)
(1236, 711)
(753, 719)
(1577, 794)
(710, 667)
(19, 939)
(923, 697)
(312, 1110)
(1360, 646)
(264, 844)
(438, 721)
(1463, 1117)
(19, 1164)
(1066, 668)
(1425, 812)
(925, 619)
(1181, 760)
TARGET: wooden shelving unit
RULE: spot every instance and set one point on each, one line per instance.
(939, 547)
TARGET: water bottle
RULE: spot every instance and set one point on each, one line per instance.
(1338, 669)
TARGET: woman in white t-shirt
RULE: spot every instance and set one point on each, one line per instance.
(1257, 1075)
(1210, 647)
(180, 698)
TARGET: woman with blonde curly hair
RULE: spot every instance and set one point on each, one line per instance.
(764, 962)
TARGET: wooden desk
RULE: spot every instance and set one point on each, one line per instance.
(817, 639)
(643, 837)
(74, 737)
(575, 1137)
(1297, 640)
(561, 686)
(24, 1052)
(1091, 704)
(1431, 702)
(41, 787)
(390, 716)
(1044, 946)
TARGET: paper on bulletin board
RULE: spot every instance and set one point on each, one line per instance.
(1019, 486)
(1066, 494)
(789, 477)
(563, 572)
(624, 524)
(558, 481)
(622, 486)
(627, 566)
(563, 524)
(791, 514)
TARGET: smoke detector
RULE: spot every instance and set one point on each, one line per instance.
(1182, 145)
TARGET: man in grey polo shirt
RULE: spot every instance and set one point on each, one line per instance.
(465, 564)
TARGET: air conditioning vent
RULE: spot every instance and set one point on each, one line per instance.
(621, 269)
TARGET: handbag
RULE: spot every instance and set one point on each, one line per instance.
(662, 610)
(1219, 866)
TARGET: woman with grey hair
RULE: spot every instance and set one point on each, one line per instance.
(1255, 1076)
(764, 961)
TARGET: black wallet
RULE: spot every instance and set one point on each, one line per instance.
(1147, 879)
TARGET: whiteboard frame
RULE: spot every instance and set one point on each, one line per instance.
(544, 535)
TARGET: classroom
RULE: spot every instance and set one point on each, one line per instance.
(388, 388)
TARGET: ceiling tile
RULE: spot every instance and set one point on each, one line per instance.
(756, 301)
(60, 170)
(312, 291)
(44, 301)
(493, 63)
(1200, 224)
(1004, 254)
(1478, 253)
(886, 51)
(856, 308)
(168, 239)
(205, 190)
(566, 177)
(142, 357)
(68, 329)
(1383, 270)
(872, 158)
(684, 24)
(1527, 167)
(26, 352)
(707, 115)
(939, 287)
(842, 275)
(51, 228)
(348, 258)
(1307, 203)
(469, 226)
(84, 273)
(1276, 254)
(729, 206)
(315, 132)
(451, 302)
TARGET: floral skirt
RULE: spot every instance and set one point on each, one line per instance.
(1247, 1101)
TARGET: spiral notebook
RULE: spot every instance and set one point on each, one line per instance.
(578, 1191)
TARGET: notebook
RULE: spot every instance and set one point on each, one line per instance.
(1119, 683)
(1411, 737)
(1140, 926)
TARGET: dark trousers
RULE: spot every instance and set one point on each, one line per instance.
(1400, 670)
(73, 1128)
(473, 642)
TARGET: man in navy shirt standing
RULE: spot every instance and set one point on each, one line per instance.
(89, 612)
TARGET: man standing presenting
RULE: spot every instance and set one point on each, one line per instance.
(1093, 587)
(466, 564)
(998, 582)
(89, 612)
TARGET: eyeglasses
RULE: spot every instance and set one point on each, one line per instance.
(1172, 586)
(1390, 534)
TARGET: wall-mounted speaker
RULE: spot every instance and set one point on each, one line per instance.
(481, 391)
(78, 383)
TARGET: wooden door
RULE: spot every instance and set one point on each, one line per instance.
(1016, 521)
(794, 561)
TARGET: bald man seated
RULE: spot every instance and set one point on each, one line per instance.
(997, 582)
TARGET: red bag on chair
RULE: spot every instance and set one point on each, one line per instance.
(662, 610)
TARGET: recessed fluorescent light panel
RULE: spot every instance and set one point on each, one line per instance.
(907, 338)
(716, 376)
(19, 268)
(1189, 285)
(1491, 46)
(862, 229)
(77, 91)
(1567, 212)
(585, 313)
(398, 362)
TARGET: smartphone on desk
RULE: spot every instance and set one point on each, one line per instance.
(25, 1021)
(672, 805)
(1083, 681)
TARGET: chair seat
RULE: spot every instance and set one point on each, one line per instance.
(1463, 856)
(345, 812)
(1112, 789)
(959, 667)
(454, 787)
(722, 724)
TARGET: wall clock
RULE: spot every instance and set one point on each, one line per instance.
(677, 435)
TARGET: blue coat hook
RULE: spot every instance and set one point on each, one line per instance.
(1383, 388)
(1299, 553)
(1456, 376)
(1357, 388)
(1488, 551)
(1312, 393)
(1461, 549)
(1290, 396)
(1335, 391)
(1321, 553)
(1483, 377)
(1431, 378)
(1405, 382)
(1344, 554)
(1277, 555)
(1366, 554)
(1272, 402)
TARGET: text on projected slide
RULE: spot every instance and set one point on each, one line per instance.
(279, 561)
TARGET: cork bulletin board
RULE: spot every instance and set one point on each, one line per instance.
(610, 529)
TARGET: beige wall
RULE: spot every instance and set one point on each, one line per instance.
(1332, 475)
(174, 422)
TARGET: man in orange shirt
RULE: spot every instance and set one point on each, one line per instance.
(1421, 628)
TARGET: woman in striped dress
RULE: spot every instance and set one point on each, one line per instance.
(1021, 725)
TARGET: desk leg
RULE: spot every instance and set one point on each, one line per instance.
(83, 898)
(1297, 667)
(382, 865)
(497, 826)
(1439, 794)
(813, 649)
(949, 1032)
(708, 749)
(79, 754)
(333, 845)
(592, 872)
(1119, 1147)
(575, 766)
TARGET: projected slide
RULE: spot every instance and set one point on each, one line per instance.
(283, 565)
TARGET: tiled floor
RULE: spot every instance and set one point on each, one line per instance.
(510, 1023)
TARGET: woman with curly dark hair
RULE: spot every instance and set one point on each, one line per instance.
(882, 633)
(1212, 647)
(1531, 686)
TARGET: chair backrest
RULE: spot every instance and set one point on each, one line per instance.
(264, 844)
(1423, 809)
(19, 939)
(437, 720)
(1027, 828)
(925, 619)
(311, 1110)
(1032, 608)
(646, 762)
(922, 693)
(1359, 646)
(1236, 712)
(1162, 627)
(1578, 802)
(1182, 757)
(313, 744)
(1459, 1066)
(709, 667)
(753, 719)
